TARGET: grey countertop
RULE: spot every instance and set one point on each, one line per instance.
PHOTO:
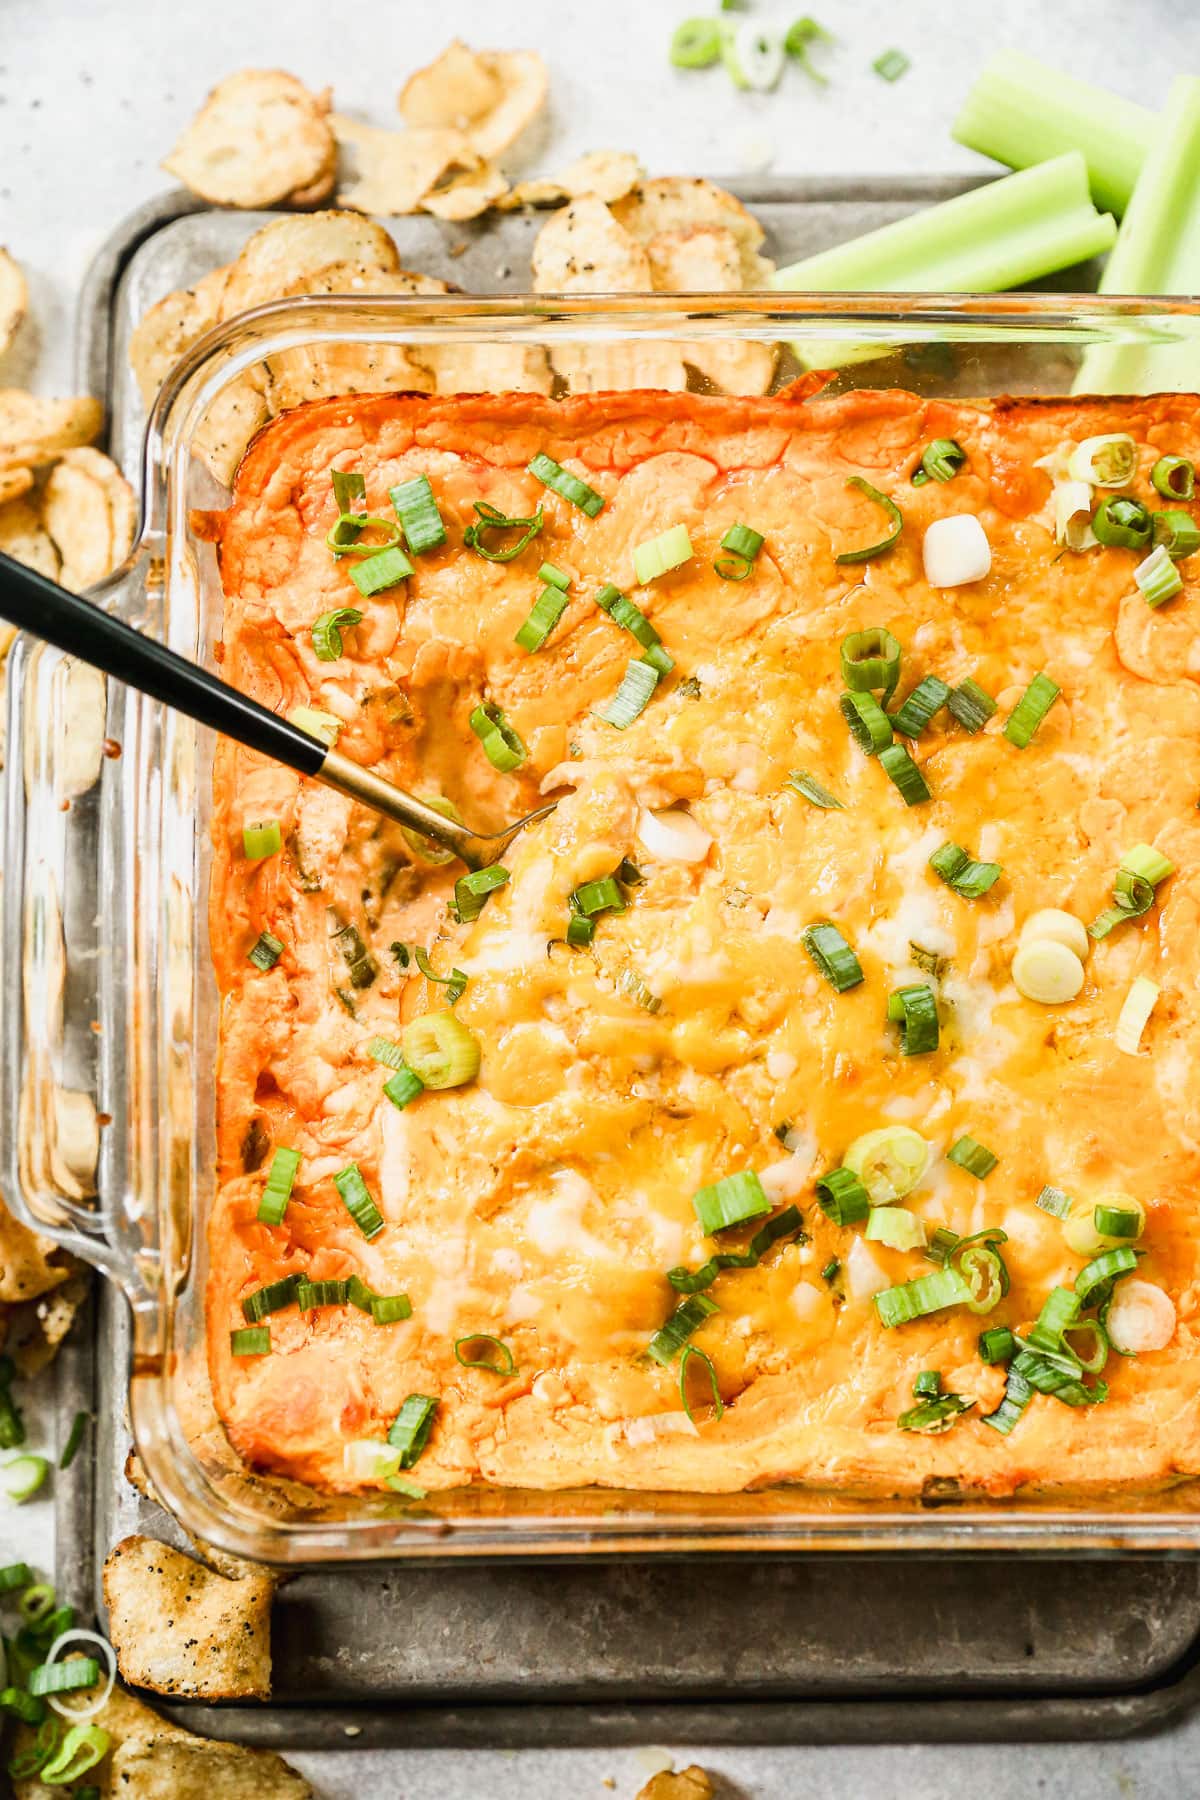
(92, 95)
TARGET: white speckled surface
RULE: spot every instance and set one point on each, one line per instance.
(92, 94)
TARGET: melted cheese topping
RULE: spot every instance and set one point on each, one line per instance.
(545, 1202)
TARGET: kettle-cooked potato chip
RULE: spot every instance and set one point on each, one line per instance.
(674, 202)
(34, 430)
(608, 174)
(260, 138)
(171, 327)
(396, 169)
(89, 510)
(288, 249)
(490, 95)
(179, 1628)
(14, 298)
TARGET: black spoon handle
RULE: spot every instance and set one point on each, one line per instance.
(40, 606)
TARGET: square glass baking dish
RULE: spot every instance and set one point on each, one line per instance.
(110, 1026)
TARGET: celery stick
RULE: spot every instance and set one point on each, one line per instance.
(1022, 113)
(1158, 252)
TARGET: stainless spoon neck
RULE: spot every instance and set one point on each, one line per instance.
(357, 783)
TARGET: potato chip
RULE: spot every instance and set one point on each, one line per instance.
(361, 278)
(190, 1768)
(14, 299)
(608, 174)
(14, 481)
(316, 371)
(692, 1783)
(288, 249)
(179, 1628)
(235, 416)
(524, 84)
(22, 537)
(396, 169)
(90, 512)
(54, 1314)
(490, 95)
(672, 202)
(33, 430)
(171, 327)
(25, 1266)
(489, 368)
(706, 259)
(467, 195)
(260, 138)
(581, 249)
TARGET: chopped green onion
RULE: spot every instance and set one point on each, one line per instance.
(971, 705)
(250, 1340)
(417, 511)
(915, 1299)
(1017, 1395)
(688, 1354)
(501, 744)
(896, 1227)
(491, 519)
(934, 1415)
(843, 1197)
(997, 1345)
(24, 1476)
(730, 1201)
(311, 1294)
(358, 959)
(271, 1298)
(660, 554)
(327, 631)
(455, 983)
(1142, 868)
(979, 1262)
(343, 537)
(83, 1746)
(70, 1450)
(63, 1677)
(1118, 1222)
(871, 659)
(498, 1360)
(386, 1051)
(410, 1429)
(816, 795)
(970, 879)
(1054, 1201)
(1059, 1376)
(567, 486)
(1122, 522)
(1177, 532)
(633, 985)
(598, 897)
(471, 892)
(580, 931)
(914, 1009)
(278, 1190)
(926, 699)
(632, 619)
(832, 955)
(696, 44)
(20, 1705)
(548, 609)
(324, 726)
(904, 774)
(359, 1294)
(357, 1200)
(889, 1161)
(1158, 578)
(1030, 710)
(895, 519)
(1094, 1280)
(660, 659)
(891, 65)
(670, 1338)
(412, 1490)
(261, 838)
(972, 1156)
(742, 546)
(349, 486)
(553, 576)
(440, 1050)
(927, 1385)
(389, 1309)
(940, 461)
(383, 570)
(631, 698)
(265, 952)
(869, 725)
(832, 1270)
(1108, 461)
(1174, 477)
(15, 1576)
(694, 1281)
(1059, 1310)
(928, 961)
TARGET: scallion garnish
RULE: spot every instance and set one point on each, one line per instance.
(1174, 477)
(440, 1050)
(1177, 532)
(895, 519)
(891, 65)
(1158, 578)
(1060, 1309)
(496, 1356)
(914, 1009)
(631, 698)
(324, 726)
(349, 487)
(598, 897)
(971, 705)
(1058, 1375)
(730, 1201)
(927, 1385)
(386, 1051)
(250, 1340)
(871, 659)
(803, 783)
(417, 511)
(410, 1429)
(696, 44)
(403, 1088)
(972, 1156)
(915, 1299)
(261, 838)
(842, 1197)
(274, 1297)
(631, 983)
(65, 1677)
(1117, 1221)
(970, 879)
(490, 519)
(327, 631)
(869, 725)
(1096, 1278)
(501, 744)
(690, 1354)
(935, 1414)
(694, 1281)
(281, 1177)
(21, 1480)
(343, 537)
(567, 486)
(455, 983)
(1017, 1395)
(831, 1271)
(357, 1199)
(1122, 522)
(741, 545)
(547, 610)
(354, 953)
(927, 698)
(381, 571)
(670, 1338)
(632, 619)
(471, 892)
(940, 461)
(1141, 870)
(1030, 710)
(1052, 1200)
(553, 576)
(832, 955)
(896, 1227)
(265, 952)
(997, 1345)
(904, 774)
(660, 554)
(580, 931)
(389, 1309)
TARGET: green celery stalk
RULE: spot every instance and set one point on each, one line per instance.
(1158, 252)
(1022, 113)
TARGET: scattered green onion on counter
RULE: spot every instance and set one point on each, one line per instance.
(696, 44)
(891, 65)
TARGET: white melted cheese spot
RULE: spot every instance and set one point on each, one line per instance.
(505, 952)
(555, 1225)
(781, 1064)
(787, 1179)
(807, 1300)
(395, 1163)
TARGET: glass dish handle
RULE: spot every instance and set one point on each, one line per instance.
(53, 945)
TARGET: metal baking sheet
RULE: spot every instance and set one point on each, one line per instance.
(809, 1650)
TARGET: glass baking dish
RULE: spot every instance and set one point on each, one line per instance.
(110, 1027)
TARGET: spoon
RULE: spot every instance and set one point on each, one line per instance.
(41, 607)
